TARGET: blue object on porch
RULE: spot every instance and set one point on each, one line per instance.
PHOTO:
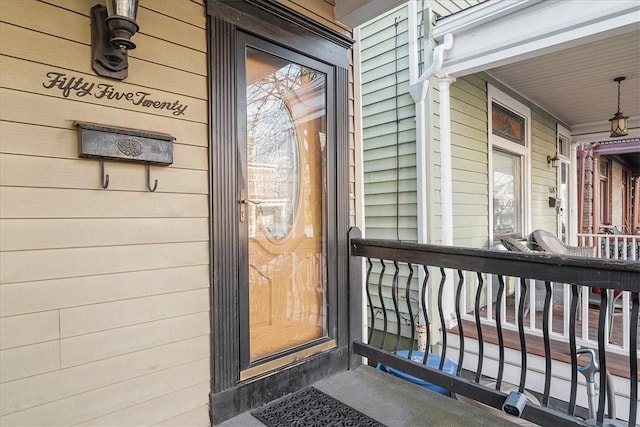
(433, 361)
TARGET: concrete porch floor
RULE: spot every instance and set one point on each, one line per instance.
(393, 402)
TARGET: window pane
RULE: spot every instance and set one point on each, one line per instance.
(507, 198)
(507, 124)
(286, 164)
(563, 146)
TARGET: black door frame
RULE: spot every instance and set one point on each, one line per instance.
(282, 26)
(247, 40)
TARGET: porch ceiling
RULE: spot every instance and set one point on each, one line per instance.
(561, 55)
(357, 12)
(576, 84)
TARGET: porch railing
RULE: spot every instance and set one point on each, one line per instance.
(399, 308)
(613, 246)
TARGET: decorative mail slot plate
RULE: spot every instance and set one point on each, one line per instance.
(114, 143)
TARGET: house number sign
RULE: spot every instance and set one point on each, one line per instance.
(70, 85)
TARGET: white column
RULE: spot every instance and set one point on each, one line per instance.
(446, 193)
(573, 197)
(446, 185)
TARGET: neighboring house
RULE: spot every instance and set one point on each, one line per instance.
(476, 123)
(514, 102)
(613, 205)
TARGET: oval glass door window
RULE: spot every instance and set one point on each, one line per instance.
(286, 124)
(272, 157)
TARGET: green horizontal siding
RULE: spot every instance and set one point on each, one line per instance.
(469, 156)
(388, 120)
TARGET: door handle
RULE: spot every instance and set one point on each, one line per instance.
(243, 202)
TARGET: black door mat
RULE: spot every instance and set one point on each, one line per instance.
(311, 407)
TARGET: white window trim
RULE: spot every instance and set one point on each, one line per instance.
(494, 94)
(567, 204)
(563, 132)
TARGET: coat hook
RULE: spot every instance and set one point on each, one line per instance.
(155, 185)
(104, 178)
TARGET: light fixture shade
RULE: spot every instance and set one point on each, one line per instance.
(553, 161)
(618, 125)
(122, 8)
(619, 120)
(122, 22)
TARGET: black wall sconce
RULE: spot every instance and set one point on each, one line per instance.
(111, 30)
(554, 161)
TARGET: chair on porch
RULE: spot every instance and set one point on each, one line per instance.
(515, 245)
(550, 243)
(520, 245)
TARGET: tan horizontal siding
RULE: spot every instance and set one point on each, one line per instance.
(23, 107)
(30, 360)
(53, 142)
(69, 55)
(189, 12)
(320, 11)
(20, 74)
(53, 294)
(80, 174)
(33, 234)
(99, 317)
(77, 28)
(65, 203)
(104, 294)
(67, 382)
(113, 342)
(156, 410)
(197, 417)
(104, 400)
(29, 329)
(61, 263)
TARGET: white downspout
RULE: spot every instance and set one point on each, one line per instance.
(419, 92)
(419, 89)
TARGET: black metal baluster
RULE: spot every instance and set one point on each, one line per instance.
(441, 313)
(603, 340)
(394, 298)
(523, 344)
(459, 319)
(547, 343)
(370, 301)
(633, 359)
(407, 296)
(499, 328)
(425, 314)
(571, 409)
(382, 305)
(479, 328)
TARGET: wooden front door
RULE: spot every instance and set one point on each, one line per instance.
(282, 201)
(279, 153)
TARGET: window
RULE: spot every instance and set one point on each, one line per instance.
(564, 186)
(507, 194)
(509, 124)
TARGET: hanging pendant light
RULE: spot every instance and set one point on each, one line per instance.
(619, 120)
